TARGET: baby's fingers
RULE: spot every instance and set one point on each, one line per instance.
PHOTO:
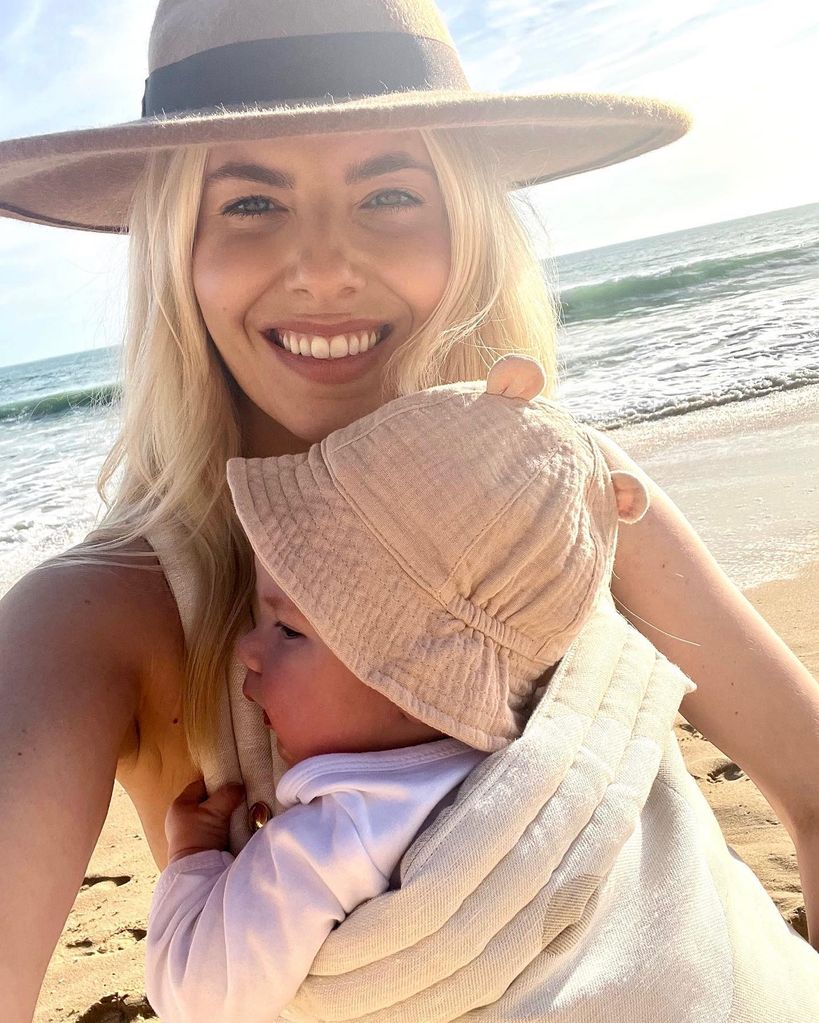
(220, 803)
(192, 794)
(225, 800)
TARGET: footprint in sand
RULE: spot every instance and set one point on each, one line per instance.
(118, 1008)
(798, 919)
(726, 770)
(104, 882)
(116, 942)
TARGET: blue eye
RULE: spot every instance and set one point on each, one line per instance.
(251, 206)
(393, 199)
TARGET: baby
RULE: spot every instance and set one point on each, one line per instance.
(486, 814)
(418, 574)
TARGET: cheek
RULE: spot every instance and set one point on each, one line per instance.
(435, 264)
(418, 268)
(227, 277)
(212, 286)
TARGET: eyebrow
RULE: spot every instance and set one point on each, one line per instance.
(252, 172)
(375, 166)
(386, 163)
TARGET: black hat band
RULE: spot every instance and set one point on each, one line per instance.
(266, 72)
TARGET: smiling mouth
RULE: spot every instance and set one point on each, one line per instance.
(340, 346)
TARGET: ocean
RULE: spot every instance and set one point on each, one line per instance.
(650, 328)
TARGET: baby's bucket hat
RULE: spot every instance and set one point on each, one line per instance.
(230, 70)
(448, 547)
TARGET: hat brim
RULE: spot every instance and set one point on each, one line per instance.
(85, 179)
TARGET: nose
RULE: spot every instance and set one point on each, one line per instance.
(323, 265)
(248, 685)
(249, 652)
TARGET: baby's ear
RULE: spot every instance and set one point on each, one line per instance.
(631, 494)
(516, 376)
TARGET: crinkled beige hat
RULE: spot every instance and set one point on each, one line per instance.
(228, 70)
(448, 547)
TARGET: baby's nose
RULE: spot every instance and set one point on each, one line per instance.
(246, 688)
(249, 651)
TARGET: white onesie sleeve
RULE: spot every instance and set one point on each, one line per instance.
(233, 938)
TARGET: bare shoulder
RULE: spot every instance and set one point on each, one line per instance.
(117, 607)
(616, 457)
(112, 626)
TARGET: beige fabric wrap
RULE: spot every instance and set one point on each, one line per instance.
(580, 877)
(245, 750)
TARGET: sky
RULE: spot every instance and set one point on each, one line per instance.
(745, 69)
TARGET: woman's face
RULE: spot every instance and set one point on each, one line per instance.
(325, 246)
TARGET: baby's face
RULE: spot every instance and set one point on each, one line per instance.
(312, 701)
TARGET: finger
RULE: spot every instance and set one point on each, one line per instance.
(516, 376)
(194, 792)
(225, 799)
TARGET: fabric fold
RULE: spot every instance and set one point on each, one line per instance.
(516, 860)
(579, 876)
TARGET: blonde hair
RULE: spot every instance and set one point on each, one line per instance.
(179, 418)
(497, 299)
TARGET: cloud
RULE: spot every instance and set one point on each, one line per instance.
(61, 291)
(20, 34)
(611, 47)
(84, 66)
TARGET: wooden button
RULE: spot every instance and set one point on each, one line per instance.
(258, 816)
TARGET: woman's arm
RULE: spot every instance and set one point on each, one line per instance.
(73, 646)
(755, 701)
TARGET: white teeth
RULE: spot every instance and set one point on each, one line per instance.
(339, 347)
(318, 347)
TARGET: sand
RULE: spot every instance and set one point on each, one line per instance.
(747, 476)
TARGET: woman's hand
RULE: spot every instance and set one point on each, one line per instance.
(196, 822)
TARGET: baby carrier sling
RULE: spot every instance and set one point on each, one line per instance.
(578, 876)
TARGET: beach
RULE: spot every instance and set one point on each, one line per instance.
(747, 475)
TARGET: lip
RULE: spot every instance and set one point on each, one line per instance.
(330, 371)
(326, 328)
(267, 721)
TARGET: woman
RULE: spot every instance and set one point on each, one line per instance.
(258, 231)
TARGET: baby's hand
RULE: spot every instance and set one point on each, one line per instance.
(196, 822)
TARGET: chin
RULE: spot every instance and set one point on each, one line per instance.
(325, 418)
(289, 429)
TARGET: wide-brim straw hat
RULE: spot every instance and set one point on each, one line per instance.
(231, 70)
